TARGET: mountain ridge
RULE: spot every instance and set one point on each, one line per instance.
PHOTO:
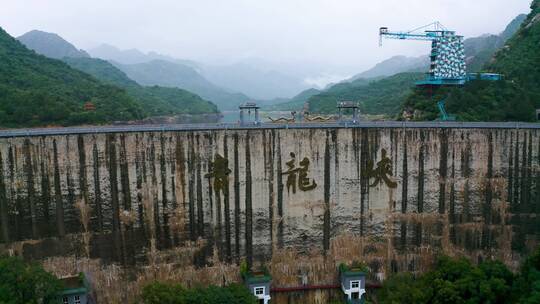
(169, 74)
(50, 45)
(159, 100)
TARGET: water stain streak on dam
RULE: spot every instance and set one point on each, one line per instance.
(249, 192)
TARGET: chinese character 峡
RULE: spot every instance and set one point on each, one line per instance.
(219, 170)
(298, 174)
(382, 172)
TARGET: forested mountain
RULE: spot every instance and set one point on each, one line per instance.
(252, 77)
(169, 74)
(297, 102)
(512, 99)
(395, 65)
(383, 96)
(36, 91)
(50, 45)
(155, 99)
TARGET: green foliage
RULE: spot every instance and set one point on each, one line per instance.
(402, 288)
(527, 286)
(37, 91)
(476, 101)
(452, 281)
(163, 293)
(382, 96)
(167, 293)
(26, 283)
(520, 59)
(244, 269)
(355, 267)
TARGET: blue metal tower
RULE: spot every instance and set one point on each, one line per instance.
(447, 53)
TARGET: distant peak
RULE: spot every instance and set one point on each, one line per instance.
(41, 33)
(50, 44)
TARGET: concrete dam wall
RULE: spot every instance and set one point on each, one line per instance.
(413, 192)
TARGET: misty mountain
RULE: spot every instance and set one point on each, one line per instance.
(253, 77)
(480, 50)
(133, 56)
(155, 99)
(50, 45)
(260, 83)
(395, 65)
(169, 74)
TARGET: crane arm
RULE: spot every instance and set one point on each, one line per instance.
(433, 31)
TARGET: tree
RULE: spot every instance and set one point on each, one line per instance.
(402, 288)
(452, 281)
(527, 285)
(169, 293)
(163, 293)
(26, 283)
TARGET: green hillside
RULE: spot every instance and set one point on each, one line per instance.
(383, 96)
(512, 99)
(520, 59)
(480, 50)
(296, 103)
(155, 100)
(37, 91)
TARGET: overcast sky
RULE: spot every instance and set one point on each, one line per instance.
(335, 36)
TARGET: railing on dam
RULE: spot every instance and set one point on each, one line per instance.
(234, 126)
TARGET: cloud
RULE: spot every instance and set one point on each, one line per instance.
(336, 35)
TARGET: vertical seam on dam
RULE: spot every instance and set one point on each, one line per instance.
(271, 195)
(420, 192)
(279, 195)
(4, 220)
(326, 222)
(191, 188)
(200, 210)
(236, 198)
(29, 173)
(249, 210)
(443, 170)
(226, 203)
(58, 194)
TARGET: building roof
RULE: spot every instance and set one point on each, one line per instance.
(255, 277)
(352, 271)
(74, 285)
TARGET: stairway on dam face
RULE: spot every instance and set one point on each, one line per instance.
(392, 196)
